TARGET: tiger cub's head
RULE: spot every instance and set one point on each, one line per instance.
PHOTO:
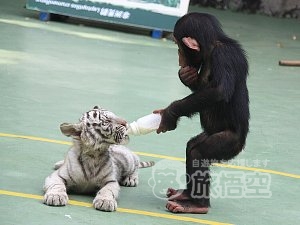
(98, 126)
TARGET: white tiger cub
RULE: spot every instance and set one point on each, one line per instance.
(98, 162)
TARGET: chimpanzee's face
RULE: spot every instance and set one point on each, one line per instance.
(181, 59)
(182, 62)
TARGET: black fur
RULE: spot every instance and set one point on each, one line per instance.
(220, 96)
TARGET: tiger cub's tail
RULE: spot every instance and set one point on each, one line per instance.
(146, 164)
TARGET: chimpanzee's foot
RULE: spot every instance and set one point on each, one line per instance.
(180, 194)
(186, 206)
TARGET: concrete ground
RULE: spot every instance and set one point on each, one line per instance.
(52, 72)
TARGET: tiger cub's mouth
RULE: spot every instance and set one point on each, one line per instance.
(121, 136)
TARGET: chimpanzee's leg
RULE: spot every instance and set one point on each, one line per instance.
(201, 151)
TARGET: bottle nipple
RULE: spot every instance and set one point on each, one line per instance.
(133, 128)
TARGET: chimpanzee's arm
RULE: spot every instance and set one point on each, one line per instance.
(188, 106)
(196, 101)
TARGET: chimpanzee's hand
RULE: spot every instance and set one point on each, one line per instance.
(188, 76)
(168, 120)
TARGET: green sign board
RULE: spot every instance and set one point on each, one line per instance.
(153, 14)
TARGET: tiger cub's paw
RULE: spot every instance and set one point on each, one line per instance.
(105, 204)
(130, 181)
(55, 198)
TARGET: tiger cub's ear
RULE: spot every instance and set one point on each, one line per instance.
(69, 129)
(96, 107)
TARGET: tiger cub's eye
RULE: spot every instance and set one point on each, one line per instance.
(94, 124)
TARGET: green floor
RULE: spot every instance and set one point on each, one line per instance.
(52, 72)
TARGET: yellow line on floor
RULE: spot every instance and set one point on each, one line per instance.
(258, 170)
(161, 156)
(35, 138)
(121, 210)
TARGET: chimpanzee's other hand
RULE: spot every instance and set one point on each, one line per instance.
(188, 76)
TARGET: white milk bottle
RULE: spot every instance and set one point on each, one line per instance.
(145, 124)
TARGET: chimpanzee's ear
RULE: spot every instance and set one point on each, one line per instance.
(191, 43)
